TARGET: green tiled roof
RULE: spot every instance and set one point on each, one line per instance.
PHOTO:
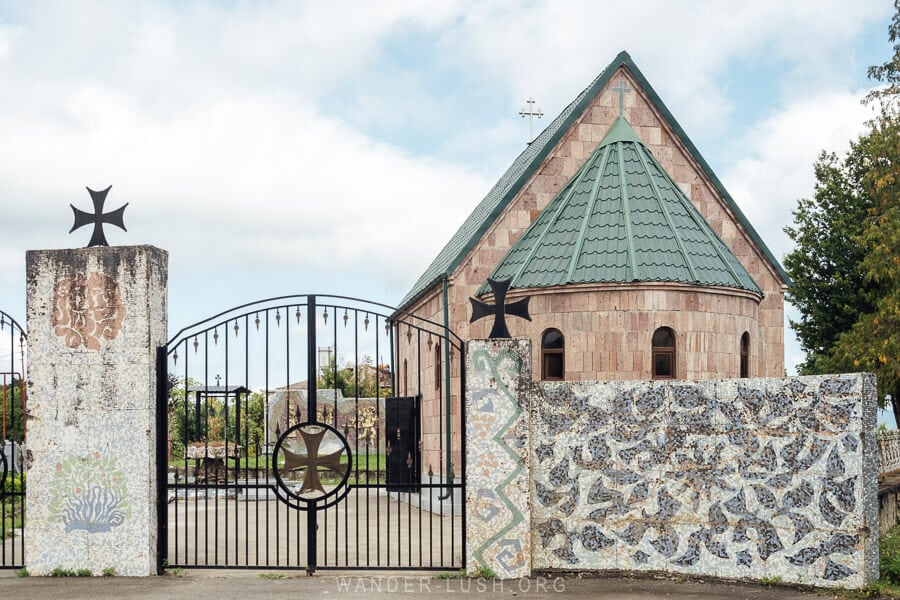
(621, 218)
(499, 197)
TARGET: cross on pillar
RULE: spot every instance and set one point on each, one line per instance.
(98, 218)
(530, 112)
(621, 90)
(518, 308)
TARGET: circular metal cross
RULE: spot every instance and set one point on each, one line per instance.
(312, 463)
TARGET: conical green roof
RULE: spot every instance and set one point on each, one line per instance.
(621, 219)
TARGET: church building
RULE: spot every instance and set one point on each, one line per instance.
(638, 262)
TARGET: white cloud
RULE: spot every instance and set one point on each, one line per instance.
(240, 135)
(549, 49)
(778, 155)
(246, 181)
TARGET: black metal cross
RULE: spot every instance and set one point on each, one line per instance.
(98, 218)
(518, 308)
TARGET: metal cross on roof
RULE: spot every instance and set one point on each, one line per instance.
(621, 89)
(98, 218)
(518, 308)
(530, 112)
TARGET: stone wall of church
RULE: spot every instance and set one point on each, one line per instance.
(608, 330)
(416, 375)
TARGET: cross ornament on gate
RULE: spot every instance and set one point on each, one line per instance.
(98, 218)
(621, 90)
(518, 308)
(312, 460)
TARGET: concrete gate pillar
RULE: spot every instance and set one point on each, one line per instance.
(95, 319)
(498, 447)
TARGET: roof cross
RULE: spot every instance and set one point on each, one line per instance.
(98, 218)
(530, 112)
(518, 308)
(621, 90)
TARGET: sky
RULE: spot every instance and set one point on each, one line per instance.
(334, 147)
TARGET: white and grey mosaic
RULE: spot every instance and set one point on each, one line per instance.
(736, 478)
(498, 373)
(95, 319)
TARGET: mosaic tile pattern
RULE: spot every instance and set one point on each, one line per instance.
(746, 478)
(91, 492)
(498, 525)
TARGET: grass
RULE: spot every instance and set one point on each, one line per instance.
(176, 572)
(23, 572)
(60, 572)
(888, 584)
(249, 462)
(483, 572)
(372, 462)
(771, 580)
(109, 572)
(273, 576)
(12, 507)
(460, 573)
(10, 522)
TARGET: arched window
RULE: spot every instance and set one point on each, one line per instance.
(438, 376)
(663, 353)
(745, 355)
(553, 355)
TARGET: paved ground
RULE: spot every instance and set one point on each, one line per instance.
(224, 585)
(365, 528)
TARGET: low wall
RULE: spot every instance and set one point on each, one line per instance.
(744, 478)
(734, 478)
(889, 452)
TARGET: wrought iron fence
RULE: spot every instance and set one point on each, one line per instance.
(244, 390)
(13, 462)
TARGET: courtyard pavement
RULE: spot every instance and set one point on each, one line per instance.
(352, 585)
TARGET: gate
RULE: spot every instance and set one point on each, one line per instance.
(312, 432)
(12, 443)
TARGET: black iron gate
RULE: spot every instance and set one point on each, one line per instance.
(12, 443)
(312, 432)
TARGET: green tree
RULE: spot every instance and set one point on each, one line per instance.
(873, 342)
(360, 381)
(847, 273)
(331, 377)
(252, 433)
(829, 286)
(13, 413)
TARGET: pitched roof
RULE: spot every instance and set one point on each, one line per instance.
(621, 218)
(524, 166)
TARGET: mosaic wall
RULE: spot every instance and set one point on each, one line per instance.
(751, 478)
(95, 318)
(498, 374)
